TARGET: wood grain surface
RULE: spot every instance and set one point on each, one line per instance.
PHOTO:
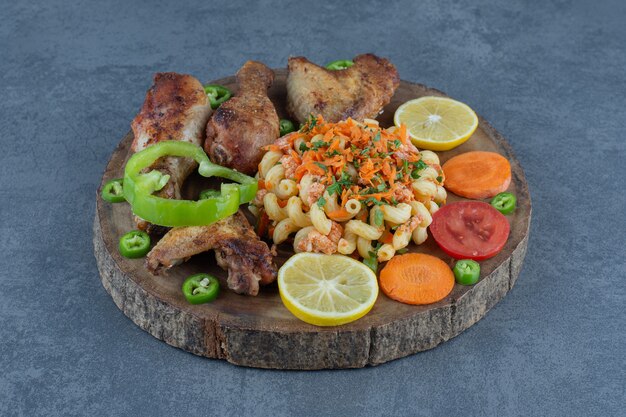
(259, 331)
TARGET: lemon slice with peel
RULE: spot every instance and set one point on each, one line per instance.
(327, 290)
(437, 123)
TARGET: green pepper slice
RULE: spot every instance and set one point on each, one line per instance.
(505, 203)
(113, 191)
(217, 94)
(134, 244)
(467, 272)
(201, 288)
(204, 194)
(138, 188)
(340, 64)
(286, 126)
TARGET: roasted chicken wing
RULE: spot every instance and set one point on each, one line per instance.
(359, 92)
(175, 108)
(243, 125)
(237, 248)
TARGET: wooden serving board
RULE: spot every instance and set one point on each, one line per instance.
(260, 331)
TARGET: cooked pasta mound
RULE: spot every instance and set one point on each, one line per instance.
(348, 187)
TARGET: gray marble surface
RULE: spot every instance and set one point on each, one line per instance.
(550, 75)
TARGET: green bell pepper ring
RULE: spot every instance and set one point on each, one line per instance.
(134, 244)
(208, 194)
(201, 288)
(505, 203)
(467, 272)
(341, 64)
(138, 188)
(286, 126)
(112, 191)
(217, 94)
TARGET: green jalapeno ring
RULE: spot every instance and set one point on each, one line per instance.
(505, 203)
(113, 191)
(286, 126)
(340, 64)
(134, 244)
(201, 288)
(467, 272)
(217, 94)
(138, 188)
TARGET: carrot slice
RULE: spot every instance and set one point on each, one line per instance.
(477, 174)
(416, 278)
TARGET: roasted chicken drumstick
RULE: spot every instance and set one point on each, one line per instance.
(176, 108)
(359, 92)
(243, 125)
(238, 130)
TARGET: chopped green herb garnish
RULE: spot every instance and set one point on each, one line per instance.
(420, 165)
(371, 263)
(397, 143)
(376, 137)
(319, 144)
(303, 147)
(373, 201)
(324, 167)
(321, 202)
(439, 178)
(334, 188)
(378, 217)
(333, 153)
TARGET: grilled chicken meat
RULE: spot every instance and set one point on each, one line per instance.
(237, 248)
(243, 125)
(176, 108)
(359, 92)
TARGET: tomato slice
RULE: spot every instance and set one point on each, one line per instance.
(470, 230)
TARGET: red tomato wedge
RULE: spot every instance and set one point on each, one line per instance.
(470, 230)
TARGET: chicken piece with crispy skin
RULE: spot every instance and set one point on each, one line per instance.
(237, 248)
(176, 108)
(359, 92)
(243, 125)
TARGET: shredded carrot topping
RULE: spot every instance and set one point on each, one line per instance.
(353, 160)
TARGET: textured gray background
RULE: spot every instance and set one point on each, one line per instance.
(549, 74)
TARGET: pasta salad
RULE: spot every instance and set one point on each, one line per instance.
(349, 188)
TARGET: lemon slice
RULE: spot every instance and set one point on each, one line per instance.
(437, 123)
(327, 290)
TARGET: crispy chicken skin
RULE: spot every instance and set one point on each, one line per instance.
(359, 92)
(175, 108)
(241, 126)
(237, 249)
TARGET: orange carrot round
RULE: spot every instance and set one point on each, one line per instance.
(477, 174)
(416, 278)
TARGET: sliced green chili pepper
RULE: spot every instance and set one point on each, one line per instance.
(371, 263)
(217, 94)
(341, 64)
(134, 244)
(201, 288)
(208, 194)
(467, 272)
(286, 126)
(138, 188)
(112, 191)
(504, 203)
